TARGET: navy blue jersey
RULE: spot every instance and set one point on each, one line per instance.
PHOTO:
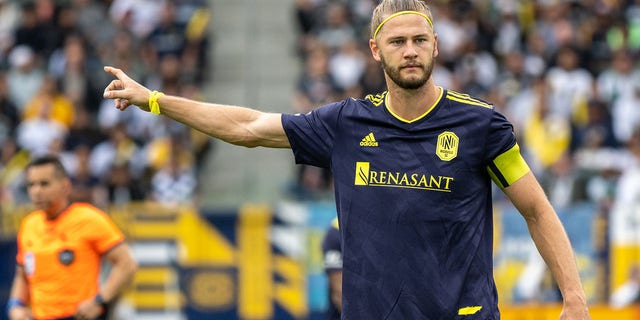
(332, 260)
(413, 201)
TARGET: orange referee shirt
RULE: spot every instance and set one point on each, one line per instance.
(61, 257)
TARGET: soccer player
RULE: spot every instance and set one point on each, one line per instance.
(413, 168)
(60, 247)
(332, 257)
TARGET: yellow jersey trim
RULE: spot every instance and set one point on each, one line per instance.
(386, 103)
(465, 98)
(508, 167)
(335, 223)
(467, 311)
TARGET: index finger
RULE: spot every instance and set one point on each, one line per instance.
(118, 73)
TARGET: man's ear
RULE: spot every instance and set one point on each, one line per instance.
(67, 185)
(435, 45)
(375, 51)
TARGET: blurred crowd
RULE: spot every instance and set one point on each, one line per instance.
(51, 81)
(564, 72)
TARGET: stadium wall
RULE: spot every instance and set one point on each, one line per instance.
(264, 262)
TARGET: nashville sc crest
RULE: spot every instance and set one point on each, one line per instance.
(447, 146)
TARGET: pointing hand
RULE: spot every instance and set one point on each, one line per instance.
(125, 91)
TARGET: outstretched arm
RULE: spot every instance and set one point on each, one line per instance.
(236, 125)
(552, 242)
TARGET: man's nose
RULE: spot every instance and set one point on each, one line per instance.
(410, 50)
(33, 189)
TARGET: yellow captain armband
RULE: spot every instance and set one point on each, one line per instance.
(154, 106)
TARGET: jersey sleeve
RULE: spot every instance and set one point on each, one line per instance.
(104, 234)
(505, 164)
(331, 250)
(312, 135)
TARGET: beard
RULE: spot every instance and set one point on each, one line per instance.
(411, 83)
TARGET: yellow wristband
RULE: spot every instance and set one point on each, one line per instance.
(154, 106)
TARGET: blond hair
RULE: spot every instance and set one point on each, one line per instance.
(386, 8)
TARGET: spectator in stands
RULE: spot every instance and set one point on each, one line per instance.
(547, 135)
(175, 182)
(122, 189)
(620, 79)
(94, 23)
(28, 32)
(11, 162)
(9, 19)
(83, 131)
(86, 186)
(570, 86)
(626, 114)
(125, 49)
(9, 117)
(139, 16)
(555, 24)
(24, 76)
(563, 183)
(316, 84)
(61, 109)
(513, 77)
(452, 34)
(536, 54)
(168, 37)
(74, 68)
(347, 65)
(305, 20)
(510, 32)
(119, 147)
(597, 132)
(38, 133)
(337, 31)
(476, 71)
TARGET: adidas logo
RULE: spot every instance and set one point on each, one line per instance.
(369, 141)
